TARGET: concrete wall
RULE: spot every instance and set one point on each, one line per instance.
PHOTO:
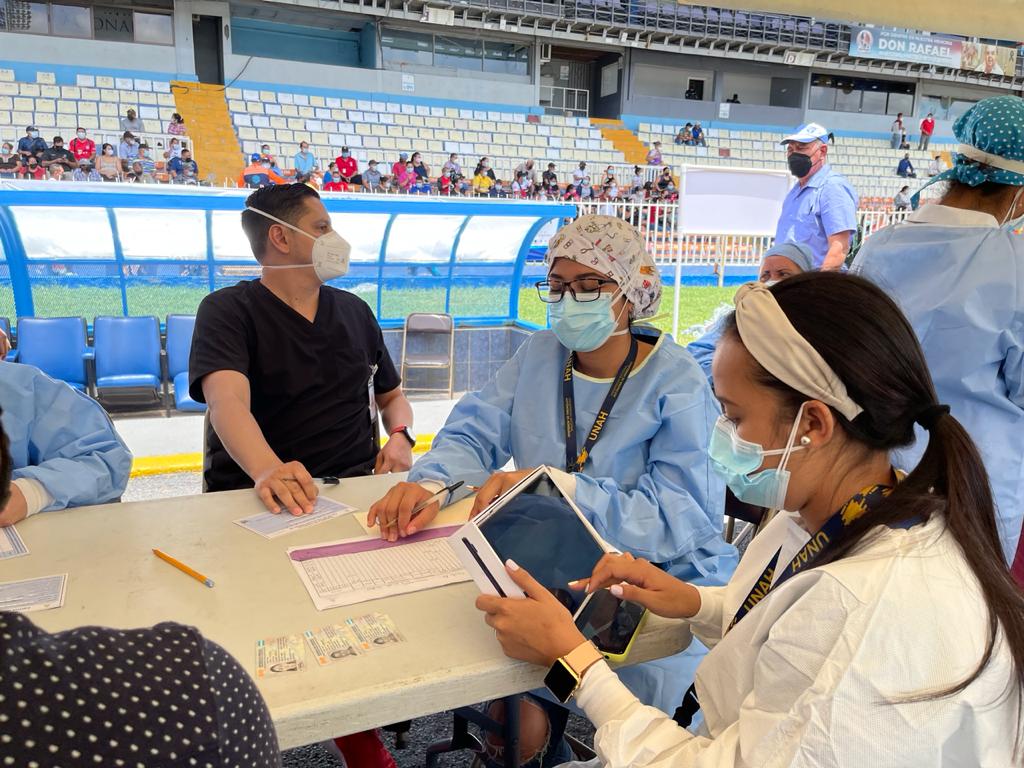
(92, 55)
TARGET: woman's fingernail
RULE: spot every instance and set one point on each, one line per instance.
(512, 565)
(616, 589)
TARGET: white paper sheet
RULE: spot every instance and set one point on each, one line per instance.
(270, 526)
(351, 571)
(38, 594)
(11, 544)
(453, 514)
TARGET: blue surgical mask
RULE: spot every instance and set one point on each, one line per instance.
(735, 459)
(583, 326)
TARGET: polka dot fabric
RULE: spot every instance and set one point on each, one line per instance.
(149, 698)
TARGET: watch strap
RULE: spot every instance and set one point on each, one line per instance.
(582, 657)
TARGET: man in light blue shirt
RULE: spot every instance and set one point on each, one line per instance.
(821, 208)
(305, 162)
(64, 448)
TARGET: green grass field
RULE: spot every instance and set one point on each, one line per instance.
(697, 303)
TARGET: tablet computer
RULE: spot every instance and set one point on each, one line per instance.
(536, 524)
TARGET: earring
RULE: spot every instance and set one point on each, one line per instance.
(805, 440)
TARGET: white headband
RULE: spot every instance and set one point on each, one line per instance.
(780, 349)
(1003, 163)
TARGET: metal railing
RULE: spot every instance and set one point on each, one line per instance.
(575, 101)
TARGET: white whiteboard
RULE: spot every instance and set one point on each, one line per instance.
(731, 201)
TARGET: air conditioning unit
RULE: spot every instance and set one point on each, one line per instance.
(444, 16)
(545, 53)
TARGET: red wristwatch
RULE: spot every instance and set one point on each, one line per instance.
(405, 432)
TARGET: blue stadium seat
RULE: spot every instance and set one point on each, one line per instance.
(179, 343)
(127, 352)
(57, 346)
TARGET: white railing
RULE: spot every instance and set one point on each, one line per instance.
(573, 100)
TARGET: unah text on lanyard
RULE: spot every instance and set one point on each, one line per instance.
(574, 461)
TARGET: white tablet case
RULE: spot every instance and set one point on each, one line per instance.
(486, 568)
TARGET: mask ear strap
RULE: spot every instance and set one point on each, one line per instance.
(279, 221)
(792, 438)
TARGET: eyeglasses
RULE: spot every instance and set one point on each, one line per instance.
(582, 290)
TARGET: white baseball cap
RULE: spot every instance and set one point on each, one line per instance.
(809, 132)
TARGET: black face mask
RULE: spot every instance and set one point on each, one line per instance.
(799, 164)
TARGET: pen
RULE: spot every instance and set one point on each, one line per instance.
(183, 568)
(435, 498)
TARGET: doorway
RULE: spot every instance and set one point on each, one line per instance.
(209, 49)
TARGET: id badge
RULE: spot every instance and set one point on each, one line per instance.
(372, 394)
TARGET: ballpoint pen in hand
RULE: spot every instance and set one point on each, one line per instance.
(435, 498)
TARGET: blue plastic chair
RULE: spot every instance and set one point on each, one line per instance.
(58, 346)
(179, 344)
(127, 353)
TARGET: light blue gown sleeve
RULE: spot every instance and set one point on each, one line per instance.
(73, 449)
(674, 508)
(1013, 367)
(476, 441)
(703, 349)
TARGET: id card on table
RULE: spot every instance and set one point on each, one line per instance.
(332, 643)
(374, 630)
(280, 656)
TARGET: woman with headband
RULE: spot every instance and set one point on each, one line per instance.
(875, 624)
(956, 268)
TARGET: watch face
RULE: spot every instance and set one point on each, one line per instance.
(560, 681)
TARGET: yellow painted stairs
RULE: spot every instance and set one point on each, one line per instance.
(211, 135)
(623, 139)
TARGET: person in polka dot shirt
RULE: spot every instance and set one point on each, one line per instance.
(93, 696)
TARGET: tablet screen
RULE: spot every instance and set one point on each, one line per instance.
(540, 531)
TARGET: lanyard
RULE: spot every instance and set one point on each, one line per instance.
(831, 533)
(574, 462)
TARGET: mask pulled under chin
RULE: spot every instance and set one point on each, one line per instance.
(331, 252)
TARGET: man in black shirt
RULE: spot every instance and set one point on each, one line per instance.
(58, 155)
(293, 370)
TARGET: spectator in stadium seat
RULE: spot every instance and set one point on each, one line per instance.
(85, 172)
(698, 135)
(665, 179)
(654, 155)
(637, 181)
(528, 171)
(586, 189)
(954, 267)
(57, 155)
(32, 170)
(485, 166)
(901, 200)
(31, 144)
(896, 131)
(578, 173)
(10, 162)
(821, 210)
(65, 450)
(549, 178)
(258, 174)
(680, 138)
(734, 100)
(183, 170)
(304, 162)
(778, 263)
(905, 168)
(331, 182)
(452, 167)
(82, 147)
(128, 149)
(173, 149)
(177, 125)
(521, 186)
(482, 183)
(421, 169)
(55, 173)
(348, 168)
(132, 124)
(146, 159)
(137, 174)
(927, 129)
(936, 166)
(571, 193)
(398, 168)
(372, 179)
(107, 165)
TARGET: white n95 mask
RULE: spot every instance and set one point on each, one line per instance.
(331, 252)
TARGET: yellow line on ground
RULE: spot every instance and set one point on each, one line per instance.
(143, 466)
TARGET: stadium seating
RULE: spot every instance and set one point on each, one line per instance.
(179, 343)
(379, 130)
(127, 354)
(869, 164)
(57, 346)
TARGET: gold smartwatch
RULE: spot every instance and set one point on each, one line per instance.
(565, 675)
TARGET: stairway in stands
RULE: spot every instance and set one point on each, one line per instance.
(623, 139)
(215, 145)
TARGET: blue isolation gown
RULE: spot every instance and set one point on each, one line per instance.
(703, 348)
(959, 278)
(61, 438)
(648, 487)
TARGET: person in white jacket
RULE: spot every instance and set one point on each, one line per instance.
(875, 625)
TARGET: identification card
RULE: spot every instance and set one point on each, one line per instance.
(372, 394)
(332, 643)
(374, 630)
(277, 656)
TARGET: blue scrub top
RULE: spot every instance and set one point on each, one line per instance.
(826, 205)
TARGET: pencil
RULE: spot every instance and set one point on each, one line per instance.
(183, 568)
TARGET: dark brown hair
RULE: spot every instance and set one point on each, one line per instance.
(282, 201)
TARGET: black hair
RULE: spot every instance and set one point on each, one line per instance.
(865, 338)
(282, 201)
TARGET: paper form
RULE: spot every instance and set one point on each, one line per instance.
(353, 571)
(11, 544)
(33, 594)
(270, 526)
(450, 516)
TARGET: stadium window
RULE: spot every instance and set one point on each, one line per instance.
(823, 94)
(403, 47)
(458, 53)
(28, 17)
(70, 20)
(113, 24)
(506, 58)
(154, 28)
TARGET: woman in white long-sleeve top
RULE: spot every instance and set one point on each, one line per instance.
(878, 624)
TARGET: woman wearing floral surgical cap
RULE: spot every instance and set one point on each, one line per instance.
(957, 270)
(646, 485)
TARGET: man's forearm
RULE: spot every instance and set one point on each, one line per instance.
(397, 412)
(836, 256)
(242, 438)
